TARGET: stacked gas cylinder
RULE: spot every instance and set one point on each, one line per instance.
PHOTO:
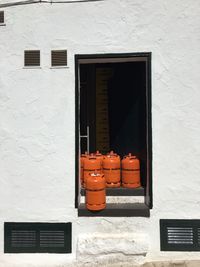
(100, 171)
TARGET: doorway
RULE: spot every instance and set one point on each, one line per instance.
(113, 109)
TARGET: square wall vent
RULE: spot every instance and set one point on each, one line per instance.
(58, 58)
(1, 17)
(31, 58)
(37, 237)
(180, 235)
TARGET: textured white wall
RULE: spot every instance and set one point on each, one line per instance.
(37, 138)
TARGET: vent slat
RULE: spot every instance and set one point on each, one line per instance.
(23, 246)
(52, 246)
(51, 237)
(180, 234)
(49, 232)
(179, 242)
(24, 242)
(52, 241)
(183, 239)
(23, 238)
(21, 235)
(172, 229)
(58, 58)
(23, 232)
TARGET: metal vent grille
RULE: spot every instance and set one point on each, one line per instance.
(26, 238)
(37, 237)
(198, 232)
(31, 58)
(52, 239)
(180, 235)
(58, 58)
(1, 17)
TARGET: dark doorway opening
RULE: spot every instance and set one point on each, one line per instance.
(113, 108)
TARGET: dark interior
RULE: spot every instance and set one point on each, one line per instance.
(125, 89)
(126, 96)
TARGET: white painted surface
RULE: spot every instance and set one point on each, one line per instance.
(120, 199)
(37, 138)
(127, 247)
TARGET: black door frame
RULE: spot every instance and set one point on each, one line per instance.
(78, 57)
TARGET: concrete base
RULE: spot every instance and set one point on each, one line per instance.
(194, 263)
(183, 263)
(101, 248)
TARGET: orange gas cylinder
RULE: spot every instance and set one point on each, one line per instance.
(90, 164)
(99, 157)
(130, 171)
(111, 169)
(95, 191)
(83, 156)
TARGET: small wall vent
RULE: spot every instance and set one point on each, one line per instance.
(58, 58)
(1, 17)
(37, 237)
(31, 58)
(180, 235)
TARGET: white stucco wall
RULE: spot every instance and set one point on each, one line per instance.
(37, 137)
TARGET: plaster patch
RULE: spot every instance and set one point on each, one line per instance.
(92, 246)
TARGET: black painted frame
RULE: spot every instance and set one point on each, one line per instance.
(194, 224)
(66, 227)
(149, 191)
